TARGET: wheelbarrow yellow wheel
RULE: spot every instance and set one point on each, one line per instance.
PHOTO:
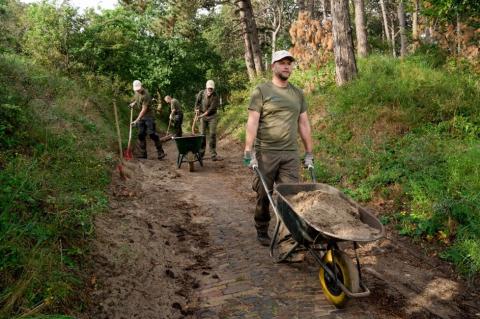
(346, 272)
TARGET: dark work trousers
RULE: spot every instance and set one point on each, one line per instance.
(146, 126)
(276, 167)
(177, 124)
(209, 124)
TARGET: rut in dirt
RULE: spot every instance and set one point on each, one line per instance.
(180, 244)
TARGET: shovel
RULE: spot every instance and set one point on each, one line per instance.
(128, 154)
(194, 120)
(124, 173)
(167, 137)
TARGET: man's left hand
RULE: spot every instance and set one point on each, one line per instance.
(308, 160)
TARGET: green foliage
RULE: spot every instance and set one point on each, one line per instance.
(51, 33)
(12, 125)
(409, 132)
(53, 181)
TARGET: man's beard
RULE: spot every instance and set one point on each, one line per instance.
(282, 76)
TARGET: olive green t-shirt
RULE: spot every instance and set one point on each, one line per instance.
(279, 110)
(144, 99)
(176, 106)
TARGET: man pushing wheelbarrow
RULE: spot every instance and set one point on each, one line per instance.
(277, 111)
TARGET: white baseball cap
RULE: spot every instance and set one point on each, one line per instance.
(210, 84)
(137, 85)
(280, 55)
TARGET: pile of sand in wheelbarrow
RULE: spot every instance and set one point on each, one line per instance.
(331, 213)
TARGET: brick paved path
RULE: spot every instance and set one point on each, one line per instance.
(243, 281)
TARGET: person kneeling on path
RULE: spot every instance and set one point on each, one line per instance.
(206, 106)
(145, 120)
(277, 111)
(176, 115)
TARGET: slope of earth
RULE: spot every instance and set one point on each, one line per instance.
(180, 244)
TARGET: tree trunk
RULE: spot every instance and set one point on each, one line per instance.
(276, 25)
(345, 64)
(324, 9)
(403, 34)
(246, 40)
(392, 38)
(385, 20)
(361, 30)
(415, 24)
(253, 33)
(311, 8)
(459, 35)
(301, 5)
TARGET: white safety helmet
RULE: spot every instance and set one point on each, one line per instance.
(210, 84)
(137, 85)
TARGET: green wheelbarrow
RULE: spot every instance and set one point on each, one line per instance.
(189, 150)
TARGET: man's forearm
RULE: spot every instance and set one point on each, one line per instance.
(141, 114)
(251, 130)
(305, 132)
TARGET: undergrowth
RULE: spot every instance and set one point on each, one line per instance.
(56, 141)
(407, 133)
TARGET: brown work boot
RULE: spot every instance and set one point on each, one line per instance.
(263, 238)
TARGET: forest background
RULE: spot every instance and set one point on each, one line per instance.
(393, 89)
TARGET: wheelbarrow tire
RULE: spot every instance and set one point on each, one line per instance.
(347, 273)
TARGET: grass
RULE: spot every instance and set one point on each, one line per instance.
(56, 142)
(408, 132)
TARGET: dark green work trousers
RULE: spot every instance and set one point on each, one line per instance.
(276, 167)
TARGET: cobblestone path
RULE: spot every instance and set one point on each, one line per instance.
(243, 281)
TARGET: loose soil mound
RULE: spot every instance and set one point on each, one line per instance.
(331, 214)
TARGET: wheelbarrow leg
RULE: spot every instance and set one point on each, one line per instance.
(180, 159)
(199, 158)
(274, 242)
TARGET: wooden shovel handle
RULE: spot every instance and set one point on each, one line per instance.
(130, 130)
(194, 120)
(118, 129)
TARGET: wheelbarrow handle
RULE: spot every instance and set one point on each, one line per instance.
(268, 191)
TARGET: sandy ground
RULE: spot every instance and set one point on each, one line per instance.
(180, 244)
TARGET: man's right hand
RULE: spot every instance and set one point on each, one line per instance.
(249, 159)
(131, 105)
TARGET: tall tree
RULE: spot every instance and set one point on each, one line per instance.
(403, 33)
(301, 5)
(416, 9)
(345, 63)
(246, 40)
(360, 28)
(252, 45)
(385, 20)
(324, 8)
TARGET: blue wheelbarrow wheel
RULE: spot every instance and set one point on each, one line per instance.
(346, 273)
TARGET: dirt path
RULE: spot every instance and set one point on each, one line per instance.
(177, 244)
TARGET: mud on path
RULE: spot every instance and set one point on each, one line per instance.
(179, 244)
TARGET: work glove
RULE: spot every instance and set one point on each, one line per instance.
(171, 117)
(134, 124)
(131, 105)
(249, 159)
(308, 160)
